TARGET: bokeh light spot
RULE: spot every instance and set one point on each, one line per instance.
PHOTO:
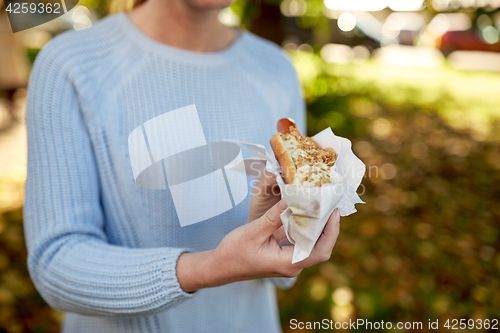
(346, 22)
(490, 35)
(419, 150)
(318, 289)
(293, 7)
(342, 296)
(423, 230)
(363, 148)
(486, 253)
(389, 171)
(381, 128)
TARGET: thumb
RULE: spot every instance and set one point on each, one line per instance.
(270, 221)
(269, 178)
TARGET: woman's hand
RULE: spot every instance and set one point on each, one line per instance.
(266, 193)
(251, 252)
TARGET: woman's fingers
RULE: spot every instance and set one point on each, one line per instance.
(267, 185)
(269, 230)
(284, 242)
(266, 193)
(268, 179)
(324, 246)
(280, 234)
(265, 226)
(271, 186)
(284, 265)
(326, 241)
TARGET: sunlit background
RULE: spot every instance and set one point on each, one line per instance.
(414, 84)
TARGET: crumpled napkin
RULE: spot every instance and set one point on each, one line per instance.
(309, 207)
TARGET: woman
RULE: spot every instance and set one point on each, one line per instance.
(112, 254)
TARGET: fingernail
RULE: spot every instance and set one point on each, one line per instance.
(337, 215)
(282, 204)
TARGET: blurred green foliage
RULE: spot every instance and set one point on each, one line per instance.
(22, 309)
(426, 243)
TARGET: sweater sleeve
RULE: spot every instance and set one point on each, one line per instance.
(70, 260)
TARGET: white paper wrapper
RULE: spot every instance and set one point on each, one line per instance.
(309, 207)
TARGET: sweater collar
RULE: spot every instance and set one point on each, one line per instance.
(171, 52)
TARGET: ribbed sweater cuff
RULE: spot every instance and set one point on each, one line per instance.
(283, 283)
(170, 280)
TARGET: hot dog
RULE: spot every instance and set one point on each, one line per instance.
(302, 160)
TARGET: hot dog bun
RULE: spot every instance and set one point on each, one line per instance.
(284, 158)
(302, 160)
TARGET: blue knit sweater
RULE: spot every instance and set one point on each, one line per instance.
(103, 249)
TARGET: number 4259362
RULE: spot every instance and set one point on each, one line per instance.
(455, 324)
(23, 8)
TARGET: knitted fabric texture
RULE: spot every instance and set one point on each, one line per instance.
(103, 249)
